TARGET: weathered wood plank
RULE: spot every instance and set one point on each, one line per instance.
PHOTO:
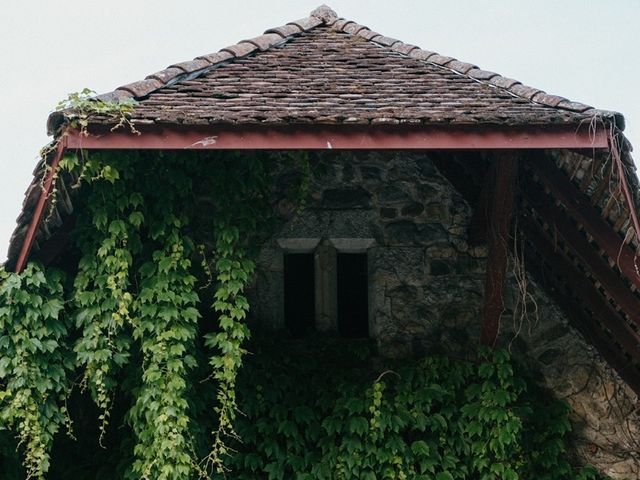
(579, 206)
(582, 249)
(589, 296)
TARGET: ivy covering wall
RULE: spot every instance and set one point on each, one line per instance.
(128, 354)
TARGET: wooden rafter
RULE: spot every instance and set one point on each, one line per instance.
(589, 296)
(579, 207)
(599, 268)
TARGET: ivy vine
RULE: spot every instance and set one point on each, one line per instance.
(34, 362)
(79, 106)
(166, 326)
(108, 236)
(241, 215)
(134, 306)
(318, 409)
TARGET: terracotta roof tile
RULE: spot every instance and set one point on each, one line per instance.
(403, 48)
(440, 59)
(341, 23)
(386, 41)
(503, 82)
(192, 65)
(461, 67)
(285, 30)
(240, 49)
(574, 106)
(307, 23)
(421, 54)
(524, 91)
(323, 71)
(546, 99)
(115, 96)
(265, 41)
(479, 74)
(142, 88)
(31, 197)
(217, 57)
(353, 28)
(368, 34)
(164, 76)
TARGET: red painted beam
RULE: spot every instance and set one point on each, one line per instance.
(621, 294)
(40, 206)
(319, 137)
(589, 296)
(579, 206)
(349, 137)
(504, 174)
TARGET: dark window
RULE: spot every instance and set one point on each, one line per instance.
(299, 293)
(353, 298)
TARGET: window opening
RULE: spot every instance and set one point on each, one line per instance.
(353, 295)
(299, 293)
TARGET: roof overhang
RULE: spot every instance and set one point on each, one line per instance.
(342, 137)
(312, 137)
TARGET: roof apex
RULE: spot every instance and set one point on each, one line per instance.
(324, 13)
(326, 16)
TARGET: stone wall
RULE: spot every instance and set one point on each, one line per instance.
(605, 412)
(426, 287)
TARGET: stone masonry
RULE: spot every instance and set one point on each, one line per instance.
(426, 287)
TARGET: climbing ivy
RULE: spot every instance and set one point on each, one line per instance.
(241, 212)
(34, 362)
(166, 327)
(159, 292)
(79, 106)
(108, 235)
(320, 409)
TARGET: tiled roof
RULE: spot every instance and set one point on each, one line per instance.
(323, 69)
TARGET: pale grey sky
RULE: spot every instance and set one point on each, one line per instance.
(585, 50)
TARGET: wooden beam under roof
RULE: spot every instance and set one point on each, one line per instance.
(579, 285)
(504, 175)
(580, 208)
(591, 259)
(341, 136)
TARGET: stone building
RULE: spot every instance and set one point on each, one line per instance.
(449, 204)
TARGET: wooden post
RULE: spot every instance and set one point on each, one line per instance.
(501, 205)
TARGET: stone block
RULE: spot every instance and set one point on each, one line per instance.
(346, 198)
(412, 209)
(392, 195)
(402, 232)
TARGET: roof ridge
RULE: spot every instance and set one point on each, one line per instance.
(324, 15)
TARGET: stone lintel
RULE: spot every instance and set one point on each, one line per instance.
(298, 245)
(352, 245)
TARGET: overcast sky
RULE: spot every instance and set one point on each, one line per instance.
(585, 50)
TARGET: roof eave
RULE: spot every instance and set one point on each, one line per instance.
(378, 136)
